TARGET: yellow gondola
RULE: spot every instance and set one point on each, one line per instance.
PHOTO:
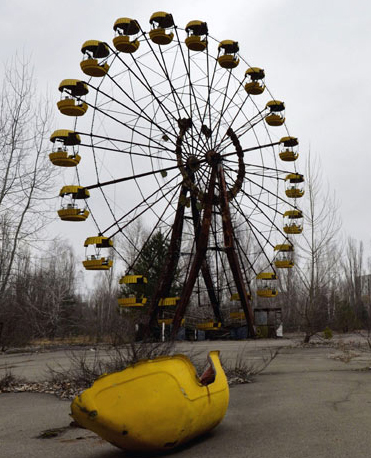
(99, 241)
(92, 68)
(132, 301)
(265, 286)
(197, 35)
(294, 222)
(293, 229)
(256, 85)
(154, 405)
(292, 190)
(289, 154)
(71, 90)
(168, 301)
(76, 88)
(133, 279)
(76, 192)
(236, 297)
(237, 316)
(168, 321)
(61, 158)
(209, 326)
(229, 58)
(71, 212)
(161, 22)
(284, 256)
(67, 137)
(125, 40)
(276, 116)
(96, 261)
(69, 107)
(94, 50)
(61, 139)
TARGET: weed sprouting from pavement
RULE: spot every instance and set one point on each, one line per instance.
(8, 380)
(86, 367)
(244, 369)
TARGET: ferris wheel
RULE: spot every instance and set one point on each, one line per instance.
(176, 130)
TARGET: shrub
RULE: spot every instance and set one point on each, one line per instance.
(327, 333)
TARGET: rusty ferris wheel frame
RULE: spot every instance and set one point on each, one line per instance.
(178, 114)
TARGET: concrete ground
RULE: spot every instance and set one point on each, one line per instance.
(306, 403)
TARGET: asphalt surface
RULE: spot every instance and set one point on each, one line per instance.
(306, 403)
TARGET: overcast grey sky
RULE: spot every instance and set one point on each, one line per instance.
(316, 56)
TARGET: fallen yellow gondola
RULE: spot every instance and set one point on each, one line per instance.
(154, 405)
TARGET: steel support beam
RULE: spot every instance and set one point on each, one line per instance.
(205, 269)
(203, 239)
(231, 252)
(170, 263)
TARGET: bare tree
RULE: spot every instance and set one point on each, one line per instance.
(353, 270)
(318, 250)
(25, 171)
(42, 301)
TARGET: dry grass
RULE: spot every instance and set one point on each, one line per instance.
(65, 341)
(8, 381)
(86, 367)
(243, 369)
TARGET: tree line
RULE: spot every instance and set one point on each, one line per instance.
(40, 294)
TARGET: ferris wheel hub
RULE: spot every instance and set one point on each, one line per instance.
(193, 163)
(213, 158)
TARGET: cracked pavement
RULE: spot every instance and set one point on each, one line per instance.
(306, 403)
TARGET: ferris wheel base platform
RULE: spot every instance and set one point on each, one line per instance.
(154, 405)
